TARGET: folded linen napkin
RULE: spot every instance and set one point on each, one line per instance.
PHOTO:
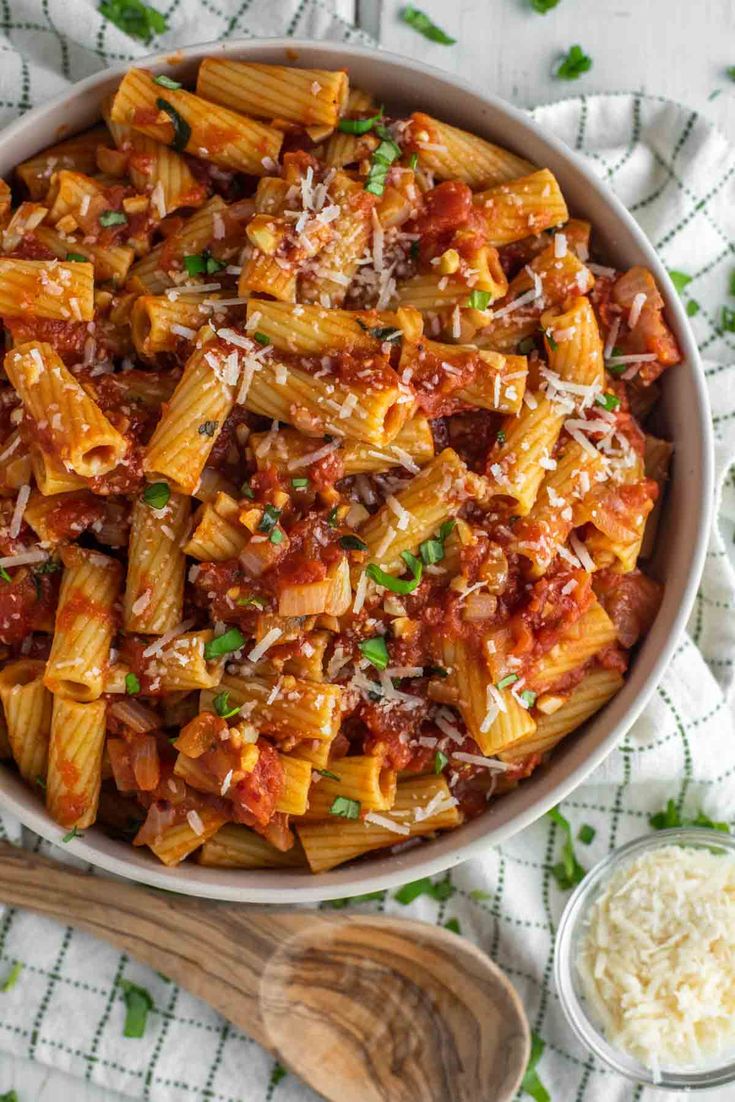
(677, 175)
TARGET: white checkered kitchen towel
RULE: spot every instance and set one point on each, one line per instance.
(677, 176)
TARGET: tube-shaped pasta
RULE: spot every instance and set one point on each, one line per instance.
(181, 665)
(337, 840)
(85, 624)
(54, 289)
(193, 418)
(576, 352)
(294, 799)
(160, 324)
(597, 687)
(51, 475)
(178, 841)
(218, 534)
(338, 261)
(580, 641)
(347, 149)
(299, 711)
(151, 275)
(78, 153)
(494, 381)
(72, 422)
(208, 131)
(157, 169)
(310, 330)
(15, 463)
(362, 778)
(309, 96)
(75, 761)
(432, 291)
(521, 207)
(110, 262)
(431, 497)
(154, 593)
(514, 470)
(372, 409)
(413, 447)
(27, 707)
(454, 154)
(236, 847)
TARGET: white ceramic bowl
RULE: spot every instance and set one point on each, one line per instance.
(684, 416)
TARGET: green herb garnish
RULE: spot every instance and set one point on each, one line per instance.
(574, 64)
(329, 774)
(671, 817)
(586, 834)
(398, 585)
(208, 428)
(222, 705)
(568, 872)
(113, 218)
(500, 437)
(157, 494)
(261, 338)
(359, 126)
(426, 26)
(276, 536)
(440, 892)
(345, 808)
(479, 300)
(182, 130)
(12, 977)
(134, 18)
(480, 895)
(728, 319)
(78, 258)
(278, 1073)
(232, 640)
(166, 82)
(531, 1083)
(257, 602)
(138, 1003)
(383, 157)
(528, 698)
(543, 6)
(679, 279)
(453, 925)
(332, 517)
(609, 402)
(375, 650)
(432, 550)
(440, 760)
(413, 161)
(4, 575)
(299, 483)
(352, 543)
(509, 679)
(201, 263)
(269, 519)
(551, 340)
(132, 684)
(692, 308)
(73, 833)
(247, 491)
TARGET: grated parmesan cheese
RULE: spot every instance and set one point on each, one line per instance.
(267, 641)
(657, 960)
(20, 507)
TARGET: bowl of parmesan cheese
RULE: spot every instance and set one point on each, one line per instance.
(645, 960)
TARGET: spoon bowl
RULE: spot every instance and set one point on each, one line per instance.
(361, 1007)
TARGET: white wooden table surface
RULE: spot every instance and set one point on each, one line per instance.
(674, 48)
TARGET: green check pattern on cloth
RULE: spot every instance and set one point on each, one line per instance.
(677, 175)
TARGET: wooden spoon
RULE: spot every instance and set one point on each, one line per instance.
(363, 1008)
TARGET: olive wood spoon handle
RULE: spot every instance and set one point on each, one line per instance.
(361, 1007)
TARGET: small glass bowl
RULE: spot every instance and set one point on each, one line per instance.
(572, 927)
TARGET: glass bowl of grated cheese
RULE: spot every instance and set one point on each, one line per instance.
(645, 960)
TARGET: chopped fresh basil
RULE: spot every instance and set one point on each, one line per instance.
(422, 23)
(568, 872)
(247, 491)
(78, 258)
(731, 287)
(543, 6)
(276, 536)
(269, 519)
(261, 338)
(257, 602)
(166, 82)
(574, 64)
(278, 1073)
(551, 340)
(329, 774)
(383, 157)
(182, 130)
(232, 640)
(73, 833)
(4, 575)
(480, 895)
(222, 705)
(413, 161)
(728, 319)
(586, 834)
(500, 436)
(398, 585)
(345, 808)
(731, 72)
(609, 402)
(352, 543)
(113, 218)
(441, 891)
(132, 684)
(672, 817)
(432, 550)
(509, 679)
(12, 977)
(199, 263)
(440, 760)
(375, 650)
(528, 698)
(332, 517)
(692, 308)
(138, 1003)
(531, 1083)
(479, 300)
(359, 126)
(299, 483)
(157, 494)
(134, 18)
(453, 925)
(208, 428)
(9, 1096)
(679, 279)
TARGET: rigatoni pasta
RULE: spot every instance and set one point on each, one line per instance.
(323, 480)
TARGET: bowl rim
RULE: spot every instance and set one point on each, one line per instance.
(385, 871)
(567, 982)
